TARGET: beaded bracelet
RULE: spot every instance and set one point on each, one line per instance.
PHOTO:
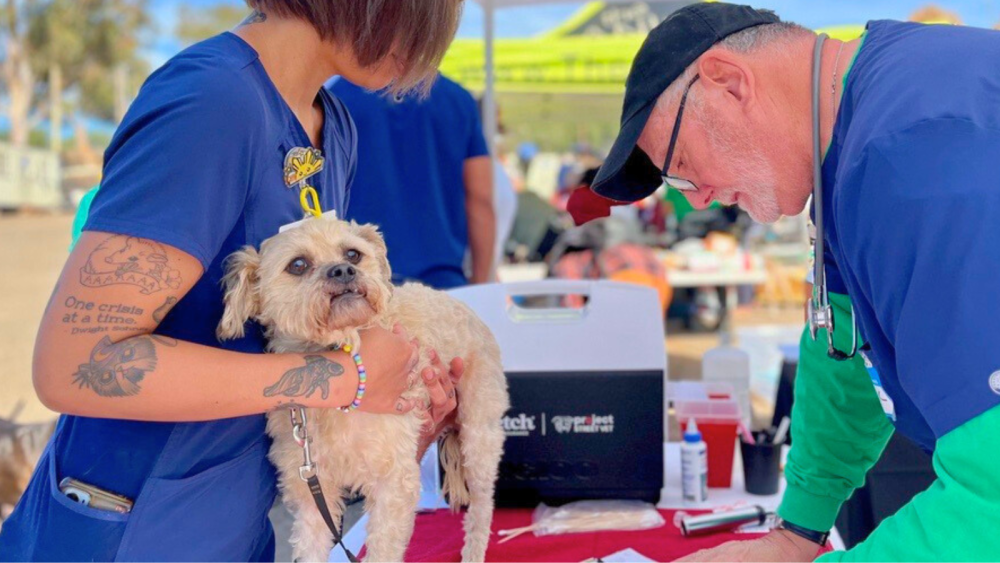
(362, 378)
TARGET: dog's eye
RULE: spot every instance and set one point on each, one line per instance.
(298, 266)
(353, 256)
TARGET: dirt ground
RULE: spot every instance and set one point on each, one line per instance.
(32, 250)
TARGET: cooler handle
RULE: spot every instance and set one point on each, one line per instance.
(555, 288)
(549, 286)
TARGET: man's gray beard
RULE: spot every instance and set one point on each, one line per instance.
(751, 166)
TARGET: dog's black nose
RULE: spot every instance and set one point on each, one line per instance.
(342, 273)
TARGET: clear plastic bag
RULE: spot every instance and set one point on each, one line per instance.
(590, 516)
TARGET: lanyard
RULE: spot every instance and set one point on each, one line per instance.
(301, 163)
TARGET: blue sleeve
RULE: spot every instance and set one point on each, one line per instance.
(179, 168)
(926, 253)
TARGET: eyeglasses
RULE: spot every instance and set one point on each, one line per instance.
(679, 184)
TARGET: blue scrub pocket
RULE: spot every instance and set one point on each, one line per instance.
(48, 526)
(219, 514)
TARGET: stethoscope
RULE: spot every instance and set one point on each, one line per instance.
(820, 313)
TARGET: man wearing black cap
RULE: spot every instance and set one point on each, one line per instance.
(728, 103)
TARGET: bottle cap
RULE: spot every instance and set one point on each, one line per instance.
(692, 435)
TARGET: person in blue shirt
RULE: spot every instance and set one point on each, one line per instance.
(156, 408)
(425, 177)
(718, 104)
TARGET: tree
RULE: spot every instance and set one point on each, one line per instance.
(196, 24)
(18, 75)
(57, 49)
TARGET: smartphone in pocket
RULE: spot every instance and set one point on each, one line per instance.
(94, 497)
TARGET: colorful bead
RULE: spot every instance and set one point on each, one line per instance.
(362, 378)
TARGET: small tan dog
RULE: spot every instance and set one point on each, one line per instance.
(316, 286)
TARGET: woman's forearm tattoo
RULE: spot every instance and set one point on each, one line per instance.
(116, 369)
(304, 381)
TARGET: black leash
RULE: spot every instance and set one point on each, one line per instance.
(307, 472)
(324, 511)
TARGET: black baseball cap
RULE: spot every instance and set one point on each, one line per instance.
(628, 174)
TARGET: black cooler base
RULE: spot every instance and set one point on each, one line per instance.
(578, 435)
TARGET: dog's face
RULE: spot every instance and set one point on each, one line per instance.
(308, 283)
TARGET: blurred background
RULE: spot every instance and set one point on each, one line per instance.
(68, 68)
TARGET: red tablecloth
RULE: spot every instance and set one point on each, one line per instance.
(438, 536)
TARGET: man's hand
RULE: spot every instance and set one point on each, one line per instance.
(779, 545)
(444, 398)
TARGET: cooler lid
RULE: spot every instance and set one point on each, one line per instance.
(545, 325)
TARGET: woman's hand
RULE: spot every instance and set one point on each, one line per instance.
(390, 358)
(442, 410)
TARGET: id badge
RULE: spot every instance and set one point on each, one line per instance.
(330, 215)
(888, 407)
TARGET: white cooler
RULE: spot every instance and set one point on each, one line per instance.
(586, 386)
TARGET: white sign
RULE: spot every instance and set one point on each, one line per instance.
(29, 177)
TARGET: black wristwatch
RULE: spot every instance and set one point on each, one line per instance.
(811, 535)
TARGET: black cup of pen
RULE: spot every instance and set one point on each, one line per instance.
(761, 465)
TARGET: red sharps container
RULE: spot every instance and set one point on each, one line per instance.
(718, 418)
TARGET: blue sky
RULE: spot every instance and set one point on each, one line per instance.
(528, 21)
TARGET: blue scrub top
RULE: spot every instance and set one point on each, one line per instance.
(410, 176)
(912, 200)
(196, 164)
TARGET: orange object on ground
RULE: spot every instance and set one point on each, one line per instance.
(639, 277)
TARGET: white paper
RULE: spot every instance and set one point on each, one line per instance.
(626, 556)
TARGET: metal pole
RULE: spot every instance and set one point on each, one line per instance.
(489, 91)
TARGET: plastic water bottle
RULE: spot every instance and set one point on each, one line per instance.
(694, 465)
(731, 365)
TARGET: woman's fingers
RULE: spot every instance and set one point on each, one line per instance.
(405, 405)
(439, 396)
(457, 369)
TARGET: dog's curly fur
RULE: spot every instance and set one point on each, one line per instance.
(372, 454)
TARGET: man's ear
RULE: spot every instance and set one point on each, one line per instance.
(726, 72)
(371, 234)
(242, 297)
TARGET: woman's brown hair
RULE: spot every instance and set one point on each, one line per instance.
(415, 32)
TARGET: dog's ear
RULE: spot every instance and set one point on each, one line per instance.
(242, 297)
(371, 234)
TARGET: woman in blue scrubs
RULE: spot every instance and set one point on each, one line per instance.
(156, 409)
